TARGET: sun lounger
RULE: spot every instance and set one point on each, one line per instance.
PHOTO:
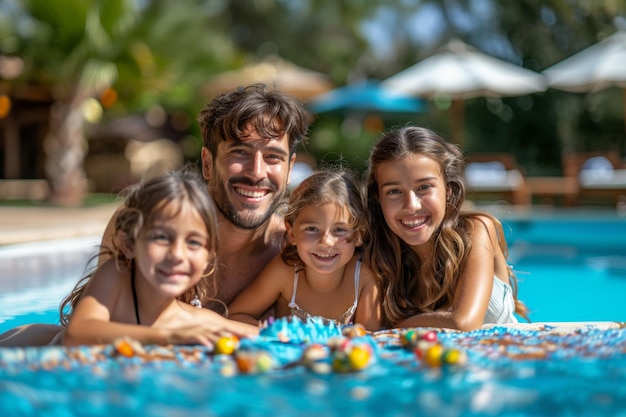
(495, 177)
(599, 176)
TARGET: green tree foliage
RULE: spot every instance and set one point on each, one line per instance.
(162, 53)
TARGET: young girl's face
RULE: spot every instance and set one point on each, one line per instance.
(172, 252)
(324, 237)
(413, 198)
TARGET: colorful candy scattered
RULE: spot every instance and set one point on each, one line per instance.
(411, 337)
(315, 358)
(426, 348)
(128, 347)
(359, 357)
(353, 331)
(253, 362)
(226, 345)
(349, 357)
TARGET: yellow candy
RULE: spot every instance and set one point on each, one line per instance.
(264, 362)
(226, 345)
(433, 355)
(359, 357)
(454, 357)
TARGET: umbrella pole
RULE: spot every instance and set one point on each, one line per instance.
(457, 110)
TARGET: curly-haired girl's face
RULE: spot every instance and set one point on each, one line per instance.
(412, 193)
(324, 237)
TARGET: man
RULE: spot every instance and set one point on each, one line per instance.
(250, 140)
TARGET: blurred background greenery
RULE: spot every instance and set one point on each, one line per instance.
(87, 85)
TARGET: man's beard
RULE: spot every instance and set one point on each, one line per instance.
(248, 218)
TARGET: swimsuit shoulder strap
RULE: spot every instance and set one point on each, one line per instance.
(134, 290)
(357, 275)
(292, 303)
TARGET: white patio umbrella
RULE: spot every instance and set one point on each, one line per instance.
(595, 68)
(461, 72)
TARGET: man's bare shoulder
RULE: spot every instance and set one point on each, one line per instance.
(276, 228)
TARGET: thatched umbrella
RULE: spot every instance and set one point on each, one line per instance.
(274, 71)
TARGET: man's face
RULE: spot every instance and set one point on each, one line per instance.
(248, 178)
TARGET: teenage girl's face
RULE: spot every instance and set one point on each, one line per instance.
(412, 196)
(324, 237)
(248, 177)
(171, 253)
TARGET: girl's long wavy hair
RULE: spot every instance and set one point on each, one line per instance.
(143, 203)
(408, 285)
(329, 186)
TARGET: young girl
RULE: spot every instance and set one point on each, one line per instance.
(438, 266)
(318, 273)
(151, 289)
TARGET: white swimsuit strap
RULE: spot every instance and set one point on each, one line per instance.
(292, 303)
(357, 274)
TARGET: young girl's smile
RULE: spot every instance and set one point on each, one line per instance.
(323, 237)
(412, 197)
(172, 252)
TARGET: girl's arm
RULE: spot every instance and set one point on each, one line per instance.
(368, 311)
(474, 286)
(206, 327)
(90, 321)
(105, 313)
(262, 293)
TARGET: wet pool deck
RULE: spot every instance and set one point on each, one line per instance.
(34, 224)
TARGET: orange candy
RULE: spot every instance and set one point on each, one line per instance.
(124, 348)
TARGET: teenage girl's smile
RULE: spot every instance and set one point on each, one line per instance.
(414, 223)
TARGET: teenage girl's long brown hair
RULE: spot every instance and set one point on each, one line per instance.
(408, 286)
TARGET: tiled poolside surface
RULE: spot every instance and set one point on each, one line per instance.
(32, 224)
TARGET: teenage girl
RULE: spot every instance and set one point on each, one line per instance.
(319, 272)
(438, 266)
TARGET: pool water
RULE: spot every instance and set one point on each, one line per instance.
(570, 267)
(35, 277)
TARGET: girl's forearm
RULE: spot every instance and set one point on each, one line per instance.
(94, 332)
(439, 319)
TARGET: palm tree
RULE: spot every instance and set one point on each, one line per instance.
(69, 47)
(154, 52)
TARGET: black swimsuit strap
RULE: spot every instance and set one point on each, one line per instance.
(132, 286)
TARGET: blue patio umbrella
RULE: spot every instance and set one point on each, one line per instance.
(365, 96)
